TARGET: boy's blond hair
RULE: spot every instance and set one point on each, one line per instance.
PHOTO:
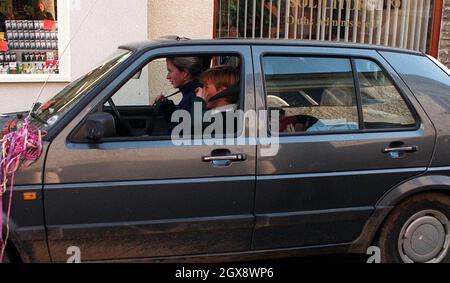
(221, 76)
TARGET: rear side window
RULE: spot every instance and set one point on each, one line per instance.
(383, 106)
(415, 68)
(425, 79)
(313, 94)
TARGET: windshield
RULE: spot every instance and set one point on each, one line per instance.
(53, 110)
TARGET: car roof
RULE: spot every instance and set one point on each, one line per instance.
(171, 41)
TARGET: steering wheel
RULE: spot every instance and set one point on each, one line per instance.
(116, 113)
(155, 114)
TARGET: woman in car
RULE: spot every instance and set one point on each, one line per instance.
(183, 74)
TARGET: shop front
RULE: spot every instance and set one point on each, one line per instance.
(45, 45)
(53, 42)
(409, 24)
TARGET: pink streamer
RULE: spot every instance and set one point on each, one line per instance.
(23, 146)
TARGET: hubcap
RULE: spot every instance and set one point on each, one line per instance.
(425, 237)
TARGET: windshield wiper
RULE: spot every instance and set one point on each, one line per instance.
(36, 117)
(36, 107)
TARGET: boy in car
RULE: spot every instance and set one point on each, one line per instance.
(220, 93)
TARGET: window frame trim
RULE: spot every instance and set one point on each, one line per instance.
(145, 59)
(357, 84)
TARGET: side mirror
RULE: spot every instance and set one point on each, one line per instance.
(100, 125)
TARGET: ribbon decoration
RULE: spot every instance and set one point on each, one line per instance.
(21, 146)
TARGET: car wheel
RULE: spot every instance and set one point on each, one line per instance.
(417, 231)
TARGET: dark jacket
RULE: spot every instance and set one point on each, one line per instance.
(229, 130)
(2, 22)
(168, 107)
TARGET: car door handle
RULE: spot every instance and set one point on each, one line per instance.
(414, 148)
(231, 157)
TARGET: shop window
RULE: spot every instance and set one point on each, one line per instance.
(397, 23)
(31, 38)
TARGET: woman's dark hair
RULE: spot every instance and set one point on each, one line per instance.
(190, 64)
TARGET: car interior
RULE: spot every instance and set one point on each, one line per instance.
(303, 102)
(145, 120)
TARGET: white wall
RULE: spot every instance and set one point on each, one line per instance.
(109, 24)
(193, 18)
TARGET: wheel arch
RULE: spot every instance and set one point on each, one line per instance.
(423, 184)
(13, 245)
(385, 206)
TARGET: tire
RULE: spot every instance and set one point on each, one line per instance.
(417, 231)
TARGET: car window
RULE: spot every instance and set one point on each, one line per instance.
(58, 106)
(137, 113)
(145, 86)
(383, 106)
(313, 94)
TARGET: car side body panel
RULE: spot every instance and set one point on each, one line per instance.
(149, 198)
(323, 189)
(430, 85)
(27, 225)
(436, 179)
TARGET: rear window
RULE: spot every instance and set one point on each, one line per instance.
(417, 68)
(425, 79)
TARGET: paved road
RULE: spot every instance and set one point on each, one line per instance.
(322, 259)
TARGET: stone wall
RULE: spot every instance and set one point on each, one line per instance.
(444, 48)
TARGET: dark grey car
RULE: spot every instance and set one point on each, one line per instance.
(362, 160)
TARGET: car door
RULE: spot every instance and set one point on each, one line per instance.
(149, 198)
(347, 149)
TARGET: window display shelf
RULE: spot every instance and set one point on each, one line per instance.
(34, 78)
(33, 46)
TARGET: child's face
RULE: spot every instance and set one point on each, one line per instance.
(210, 90)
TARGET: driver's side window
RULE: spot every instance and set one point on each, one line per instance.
(132, 105)
(144, 105)
(145, 86)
